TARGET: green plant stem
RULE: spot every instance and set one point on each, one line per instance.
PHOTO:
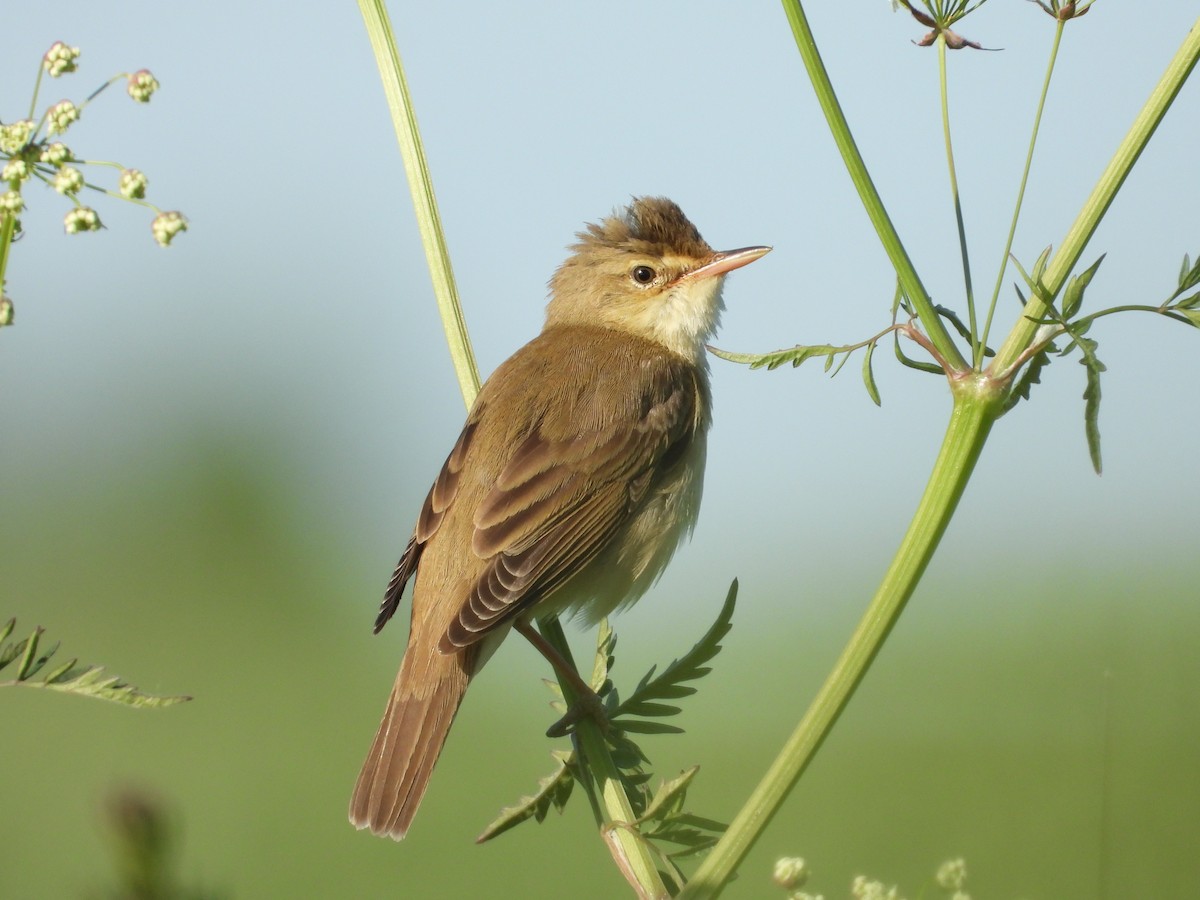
(634, 857)
(8, 227)
(910, 281)
(976, 347)
(976, 404)
(615, 814)
(391, 72)
(1012, 228)
(1085, 224)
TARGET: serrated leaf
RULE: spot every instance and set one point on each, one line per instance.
(794, 355)
(668, 799)
(1031, 376)
(1073, 296)
(553, 791)
(606, 646)
(70, 678)
(1091, 396)
(688, 667)
(869, 376)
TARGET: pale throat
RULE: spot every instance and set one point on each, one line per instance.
(684, 317)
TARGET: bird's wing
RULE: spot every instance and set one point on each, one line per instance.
(440, 496)
(559, 500)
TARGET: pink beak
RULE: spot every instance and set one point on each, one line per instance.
(727, 261)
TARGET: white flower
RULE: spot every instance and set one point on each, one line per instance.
(132, 184)
(68, 180)
(60, 116)
(15, 170)
(11, 202)
(81, 218)
(60, 59)
(15, 135)
(166, 225)
(57, 153)
(141, 85)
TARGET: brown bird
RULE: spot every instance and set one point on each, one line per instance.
(576, 476)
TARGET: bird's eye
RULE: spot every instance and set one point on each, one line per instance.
(643, 274)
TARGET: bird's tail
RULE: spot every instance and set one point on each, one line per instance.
(424, 699)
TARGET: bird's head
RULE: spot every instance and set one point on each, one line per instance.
(646, 270)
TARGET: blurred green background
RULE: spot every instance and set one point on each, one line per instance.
(214, 454)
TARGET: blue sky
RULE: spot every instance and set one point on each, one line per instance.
(298, 304)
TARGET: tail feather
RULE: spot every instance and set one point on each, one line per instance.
(420, 710)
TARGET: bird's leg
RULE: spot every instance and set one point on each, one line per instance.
(587, 701)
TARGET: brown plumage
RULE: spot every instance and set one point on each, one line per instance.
(574, 479)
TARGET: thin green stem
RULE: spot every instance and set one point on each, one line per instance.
(838, 126)
(976, 347)
(615, 814)
(1012, 228)
(8, 227)
(976, 404)
(632, 855)
(437, 256)
(1114, 175)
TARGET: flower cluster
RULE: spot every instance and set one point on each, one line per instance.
(27, 153)
(60, 59)
(30, 150)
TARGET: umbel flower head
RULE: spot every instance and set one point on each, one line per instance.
(30, 149)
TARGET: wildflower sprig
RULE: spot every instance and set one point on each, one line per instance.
(33, 149)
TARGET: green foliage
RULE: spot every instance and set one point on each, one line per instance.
(553, 791)
(70, 677)
(661, 814)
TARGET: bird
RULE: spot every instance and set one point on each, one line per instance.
(577, 474)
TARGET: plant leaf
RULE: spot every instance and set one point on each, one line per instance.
(553, 791)
(70, 678)
(689, 667)
(869, 376)
(1091, 396)
(1073, 296)
(794, 355)
(668, 799)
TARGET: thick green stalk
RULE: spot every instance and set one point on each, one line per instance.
(1012, 228)
(1114, 175)
(910, 281)
(391, 72)
(944, 90)
(976, 404)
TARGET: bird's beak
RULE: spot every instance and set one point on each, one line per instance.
(727, 261)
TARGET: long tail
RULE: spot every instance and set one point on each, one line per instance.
(424, 699)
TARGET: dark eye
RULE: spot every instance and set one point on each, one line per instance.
(643, 274)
